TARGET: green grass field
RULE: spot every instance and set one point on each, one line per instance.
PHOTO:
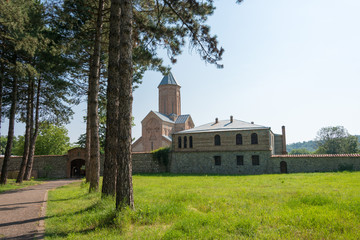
(292, 206)
(11, 184)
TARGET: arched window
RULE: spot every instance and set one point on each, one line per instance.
(179, 142)
(190, 142)
(185, 142)
(254, 138)
(238, 139)
(217, 140)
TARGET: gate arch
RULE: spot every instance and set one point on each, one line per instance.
(283, 167)
(76, 162)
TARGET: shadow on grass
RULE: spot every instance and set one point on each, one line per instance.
(102, 221)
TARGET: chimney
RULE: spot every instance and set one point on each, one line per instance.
(284, 152)
(252, 122)
(216, 120)
(231, 119)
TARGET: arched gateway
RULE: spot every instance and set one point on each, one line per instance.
(76, 163)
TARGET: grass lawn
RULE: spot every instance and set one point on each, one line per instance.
(11, 184)
(291, 206)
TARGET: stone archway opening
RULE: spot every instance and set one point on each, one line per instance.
(77, 169)
(283, 167)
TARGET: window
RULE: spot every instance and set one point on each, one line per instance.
(238, 139)
(217, 160)
(254, 138)
(185, 142)
(255, 160)
(217, 140)
(152, 146)
(240, 160)
(190, 142)
(179, 142)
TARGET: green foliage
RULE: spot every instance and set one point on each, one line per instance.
(300, 151)
(336, 140)
(52, 140)
(292, 206)
(161, 155)
(3, 141)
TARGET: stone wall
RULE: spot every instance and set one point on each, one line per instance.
(144, 163)
(59, 166)
(205, 141)
(204, 162)
(316, 163)
(44, 166)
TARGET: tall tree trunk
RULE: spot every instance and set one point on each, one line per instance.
(30, 161)
(124, 188)
(94, 103)
(112, 107)
(9, 143)
(28, 130)
(2, 80)
(87, 143)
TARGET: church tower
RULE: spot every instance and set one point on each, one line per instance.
(169, 97)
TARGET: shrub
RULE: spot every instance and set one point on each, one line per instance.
(161, 155)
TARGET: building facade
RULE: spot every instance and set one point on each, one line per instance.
(226, 147)
(158, 127)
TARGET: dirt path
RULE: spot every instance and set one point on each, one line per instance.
(22, 211)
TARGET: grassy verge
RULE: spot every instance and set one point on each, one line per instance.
(11, 184)
(293, 206)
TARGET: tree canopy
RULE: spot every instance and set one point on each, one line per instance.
(52, 140)
(336, 140)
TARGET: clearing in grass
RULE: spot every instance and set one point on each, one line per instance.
(292, 206)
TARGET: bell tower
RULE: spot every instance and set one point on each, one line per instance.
(169, 96)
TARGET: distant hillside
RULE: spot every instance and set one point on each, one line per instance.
(308, 145)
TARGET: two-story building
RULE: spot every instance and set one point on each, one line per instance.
(226, 147)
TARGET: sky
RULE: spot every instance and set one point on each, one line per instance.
(292, 63)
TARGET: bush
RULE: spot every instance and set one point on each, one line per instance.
(161, 155)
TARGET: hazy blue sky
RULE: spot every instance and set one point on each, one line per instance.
(292, 63)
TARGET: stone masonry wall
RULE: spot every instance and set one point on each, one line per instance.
(316, 163)
(204, 162)
(144, 163)
(203, 142)
(45, 166)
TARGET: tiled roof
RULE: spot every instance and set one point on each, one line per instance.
(225, 125)
(168, 80)
(182, 118)
(316, 155)
(163, 117)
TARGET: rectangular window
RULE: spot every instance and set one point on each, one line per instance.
(240, 160)
(255, 160)
(217, 160)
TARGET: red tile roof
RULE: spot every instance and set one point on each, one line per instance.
(316, 155)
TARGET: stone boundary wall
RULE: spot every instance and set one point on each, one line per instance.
(56, 166)
(204, 163)
(316, 163)
(144, 163)
(46, 166)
